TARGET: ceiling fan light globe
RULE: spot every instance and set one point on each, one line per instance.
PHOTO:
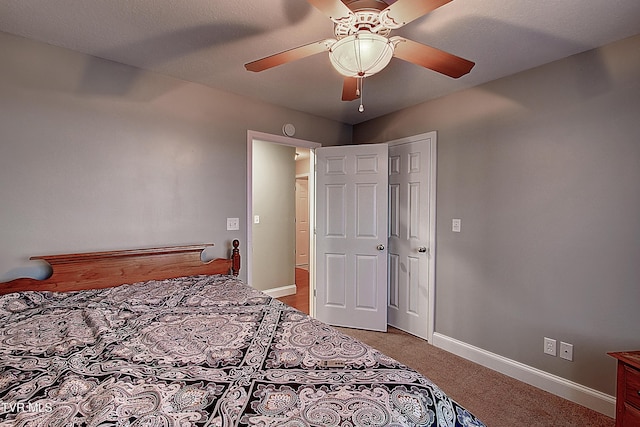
(361, 54)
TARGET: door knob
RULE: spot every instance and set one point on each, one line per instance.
(380, 247)
(422, 249)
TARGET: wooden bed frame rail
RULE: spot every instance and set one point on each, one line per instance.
(96, 270)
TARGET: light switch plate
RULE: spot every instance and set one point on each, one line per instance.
(233, 224)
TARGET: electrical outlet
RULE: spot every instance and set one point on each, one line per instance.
(566, 351)
(549, 346)
(456, 223)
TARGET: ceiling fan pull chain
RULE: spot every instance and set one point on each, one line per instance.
(361, 90)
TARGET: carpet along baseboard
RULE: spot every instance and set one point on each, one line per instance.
(282, 291)
(585, 396)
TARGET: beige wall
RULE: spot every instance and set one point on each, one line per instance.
(273, 238)
(543, 168)
(96, 155)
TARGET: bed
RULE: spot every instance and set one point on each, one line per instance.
(157, 337)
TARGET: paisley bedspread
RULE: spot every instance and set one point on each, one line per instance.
(197, 351)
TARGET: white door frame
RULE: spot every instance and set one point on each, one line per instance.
(294, 142)
(432, 223)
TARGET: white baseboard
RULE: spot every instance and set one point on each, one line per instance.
(585, 396)
(282, 291)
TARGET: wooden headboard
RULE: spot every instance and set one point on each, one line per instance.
(95, 270)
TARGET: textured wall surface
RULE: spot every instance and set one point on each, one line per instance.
(96, 155)
(543, 168)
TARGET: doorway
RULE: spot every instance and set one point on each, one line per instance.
(259, 249)
(429, 242)
(302, 207)
(301, 299)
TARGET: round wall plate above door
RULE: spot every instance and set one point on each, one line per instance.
(288, 129)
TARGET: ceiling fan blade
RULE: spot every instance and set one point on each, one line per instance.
(334, 9)
(350, 89)
(405, 11)
(289, 55)
(430, 57)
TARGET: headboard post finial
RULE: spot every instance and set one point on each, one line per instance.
(235, 257)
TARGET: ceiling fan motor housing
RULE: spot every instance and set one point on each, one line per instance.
(364, 20)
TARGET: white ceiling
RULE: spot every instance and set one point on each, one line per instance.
(209, 41)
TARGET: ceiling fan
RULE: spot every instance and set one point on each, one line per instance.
(362, 45)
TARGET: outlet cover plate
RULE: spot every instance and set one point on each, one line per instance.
(566, 351)
(550, 346)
